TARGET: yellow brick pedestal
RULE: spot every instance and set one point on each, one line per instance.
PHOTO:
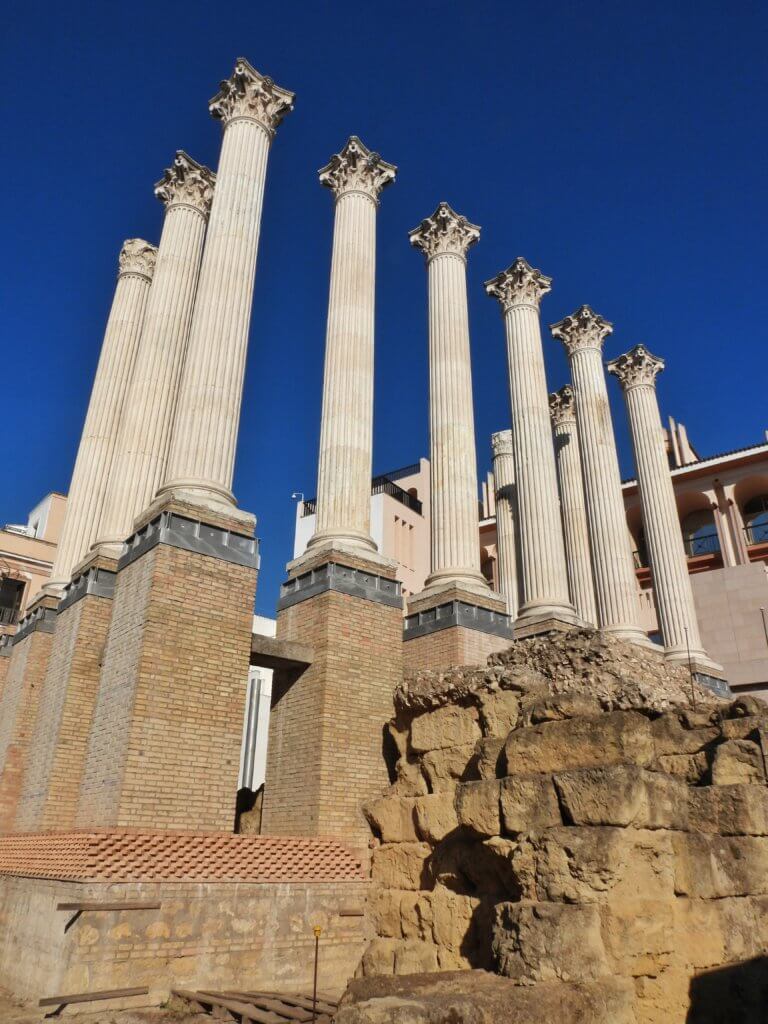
(164, 747)
(454, 627)
(325, 754)
(52, 778)
(25, 674)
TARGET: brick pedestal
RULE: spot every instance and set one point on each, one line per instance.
(51, 784)
(454, 627)
(164, 747)
(24, 679)
(325, 755)
(6, 649)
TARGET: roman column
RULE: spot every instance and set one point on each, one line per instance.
(504, 482)
(636, 371)
(543, 574)
(618, 607)
(93, 466)
(356, 176)
(562, 407)
(445, 238)
(145, 429)
(202, 453)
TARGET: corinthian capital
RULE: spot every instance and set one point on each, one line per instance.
(445, 232)
(562, 406)
(187, 183)
(636, 368)
(520, 284)
(137, 257)
(582, 330)
(357, 169)
(501, 443)
(248, 94)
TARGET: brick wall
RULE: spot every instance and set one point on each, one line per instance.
(18, 710)
(52, 781)
(326, 729)
(455, 646)
(165, 742)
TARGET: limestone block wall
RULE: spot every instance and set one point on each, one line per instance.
(566, 815)
(237, 935)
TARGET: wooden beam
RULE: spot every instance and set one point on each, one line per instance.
(92, 997)
(269, 652)
(82, 907)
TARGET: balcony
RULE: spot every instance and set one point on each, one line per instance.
(699, 544)
(379, 485)
(9, 616)
(756, 533)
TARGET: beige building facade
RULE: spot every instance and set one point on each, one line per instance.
(27, 554)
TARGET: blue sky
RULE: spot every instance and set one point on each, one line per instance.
(619, 147)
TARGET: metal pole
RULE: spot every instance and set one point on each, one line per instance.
(765, 624)
(690, 669)
(317, 932)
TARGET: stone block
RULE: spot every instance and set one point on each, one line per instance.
(400, 865)
(691, 768)
(392, 818)
(416, 915)
(384, 913)
(449, 726)
(452, 918)
(477, 806)
(535, 942)
(413, 956)
(435, 816)
(499, 713)
(711, 867)
(738, 761)
(528, 802)
(622, 795)
(638, 935)
(443, 769)
(738, 810)
(621, 737)
(670, 735)
(488, 753)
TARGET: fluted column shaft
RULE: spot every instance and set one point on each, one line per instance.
(669, 566)
(202, 454)
(145, 429)
(346, 434)
(618, 606)
(504, 481)
(573, 508)
(95, 456)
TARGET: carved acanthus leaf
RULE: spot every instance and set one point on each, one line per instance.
(519, 284)
(502, 443)
(583, 329)
(187, 182)
(444, 232)
(562, 405)
(636, 367)
(357, 169)
(247, 93)
(137, 257)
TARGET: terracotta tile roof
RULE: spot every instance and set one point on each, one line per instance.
(128, 855)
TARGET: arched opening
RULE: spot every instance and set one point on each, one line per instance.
(700, 535)
(755, 513)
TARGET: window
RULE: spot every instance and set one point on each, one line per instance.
(700, 534)
(756, 519)
(11, 593)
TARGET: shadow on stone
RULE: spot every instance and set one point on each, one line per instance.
(738, 992)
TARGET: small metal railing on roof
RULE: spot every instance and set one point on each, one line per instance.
(702, 544)
(757, 533)
(379, 485)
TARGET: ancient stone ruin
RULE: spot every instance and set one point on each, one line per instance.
(576, 819)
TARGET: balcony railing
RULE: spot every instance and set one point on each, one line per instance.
(9, 616)
(702, 544)
(379, 485)
(756, 534)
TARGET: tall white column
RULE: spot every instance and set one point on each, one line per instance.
(444, 238)
(506, 515)
(356, 176)
(93, 466)
(202, 455)
(543, 574)
(618, 605)
(636, 371)
(145, 429)
(562, 406)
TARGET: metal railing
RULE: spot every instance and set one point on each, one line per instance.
(9, 616)
(379, 485)
(757, 533)
(702, 544)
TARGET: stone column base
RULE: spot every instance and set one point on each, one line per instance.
(325, 756)
(454, 627)
(24, 677)
(165, 742)
(546, 624)
(51, 783)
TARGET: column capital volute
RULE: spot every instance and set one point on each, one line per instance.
(186, 183)
(137, 259)
(636, 368)
(519, 285)
(445, 233)
(502, 443)
(357, 169)
(249, 95)
(562, 406)
(582, 330)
